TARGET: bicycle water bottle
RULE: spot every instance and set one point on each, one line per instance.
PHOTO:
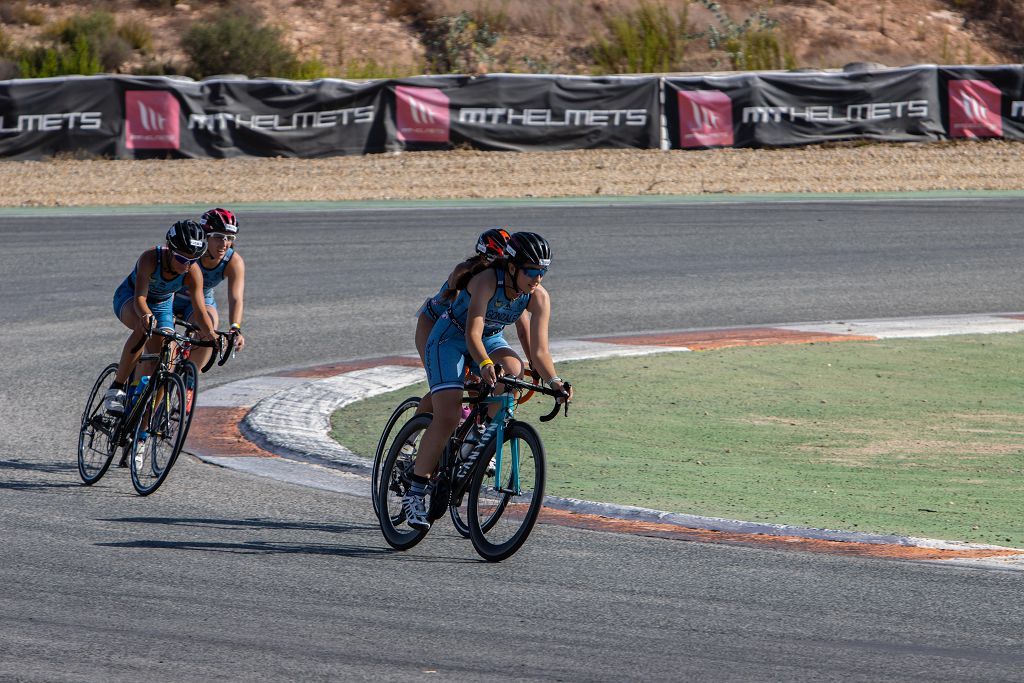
(138, 389)
(471, 451)
(471, 440)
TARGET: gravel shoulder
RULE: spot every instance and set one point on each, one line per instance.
(988, 165)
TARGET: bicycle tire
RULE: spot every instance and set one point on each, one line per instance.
(500, 521)
(165, 425)
(394, 482)
(95, 421)
(188, 372)
(413, 402)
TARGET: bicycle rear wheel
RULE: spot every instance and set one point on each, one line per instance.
(159, 435)
(394, 482)
(98, 432)
(189, 374)
(503, 506)
(397, 417)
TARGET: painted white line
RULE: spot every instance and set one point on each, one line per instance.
(244, 393)
(915, 327)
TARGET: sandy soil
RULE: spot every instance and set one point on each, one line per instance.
(993, 165)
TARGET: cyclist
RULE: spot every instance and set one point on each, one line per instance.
(147, 294)
(220, 262)
(489, 247)
(472, 326)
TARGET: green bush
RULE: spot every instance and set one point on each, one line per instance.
(237, 41)
(648, 39)
(44, 62)
(458, 44)
(112, 45)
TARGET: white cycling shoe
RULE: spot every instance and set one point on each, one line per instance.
(113, 401)
(415, 509)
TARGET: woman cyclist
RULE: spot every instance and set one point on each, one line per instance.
(489, 247)
(220, 262)
(493, 299)
(147, 293)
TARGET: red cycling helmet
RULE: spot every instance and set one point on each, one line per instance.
(492, 243)
(219, 220)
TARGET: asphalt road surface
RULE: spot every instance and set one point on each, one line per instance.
(220, 575)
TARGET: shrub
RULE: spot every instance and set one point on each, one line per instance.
(237, 41)
(458, 44)
(750, 45)
(645, 40)
(108, 43)
(44, 62)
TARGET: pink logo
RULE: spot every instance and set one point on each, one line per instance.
(423, 114)
(152, 120)
(975, 110)
(705, 118)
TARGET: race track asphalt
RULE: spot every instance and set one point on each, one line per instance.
(223, 575)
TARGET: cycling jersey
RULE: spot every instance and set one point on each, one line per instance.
(160, 293)
(446, 352)
(211, 278)
(436, 305)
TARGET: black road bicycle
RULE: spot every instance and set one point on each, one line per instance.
(153, 428)
(493, 491)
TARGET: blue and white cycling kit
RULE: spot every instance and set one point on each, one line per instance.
(211, 278)
(446, 352)
(160, 294)
(436, 305)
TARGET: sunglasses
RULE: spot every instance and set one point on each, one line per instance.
(222, 236)
(534, 272)
(182, 260)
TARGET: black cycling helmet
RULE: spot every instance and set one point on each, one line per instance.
(492, 243)
(528, 248)
(187, 238)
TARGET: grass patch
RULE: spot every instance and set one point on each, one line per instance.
(920, 437)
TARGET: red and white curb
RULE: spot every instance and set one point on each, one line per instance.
(277, 426)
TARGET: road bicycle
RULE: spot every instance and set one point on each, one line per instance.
(157, 417)
(398, 416)
(493, 491)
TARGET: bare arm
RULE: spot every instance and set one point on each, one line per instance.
(235, 273)
(194, 283)
(144, 270)
(481, 289)
(540, 314)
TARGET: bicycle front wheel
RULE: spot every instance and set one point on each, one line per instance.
(504, 501)
(159, 436)
(189, 374)
(394, 482)
(399, 415)
(97, 436)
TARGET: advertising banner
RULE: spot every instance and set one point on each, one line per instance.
(783, 109)
(155, 117)
(522, 113)
(983, 101)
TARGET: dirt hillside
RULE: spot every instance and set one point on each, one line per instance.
(552, 36)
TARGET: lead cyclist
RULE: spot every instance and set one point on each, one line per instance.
(472, 326)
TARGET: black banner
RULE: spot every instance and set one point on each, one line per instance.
(783, 109)
(144, 117)
(522, 113)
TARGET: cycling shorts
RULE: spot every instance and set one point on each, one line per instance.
(183, 304)
(163, 309)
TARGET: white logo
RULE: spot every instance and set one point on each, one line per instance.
(150, 119)
(421, 113)
(196, 243)
(704, 118)
(974, 108)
